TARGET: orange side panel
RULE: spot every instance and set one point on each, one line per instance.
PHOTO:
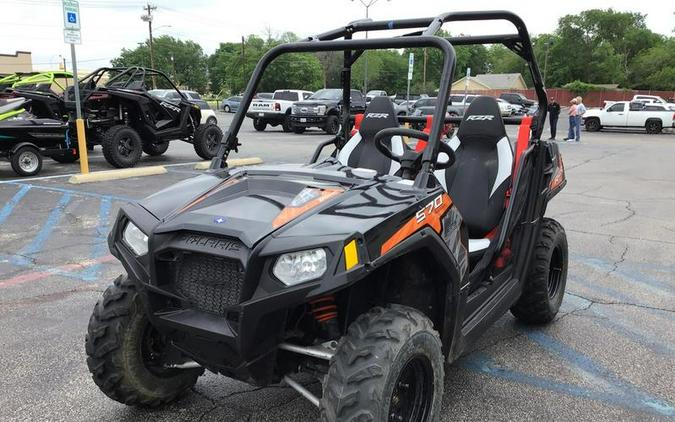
(432, 219)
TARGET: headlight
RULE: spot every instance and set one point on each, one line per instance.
(295, 267)
(294, 110)
(135, 239)
(321, 109)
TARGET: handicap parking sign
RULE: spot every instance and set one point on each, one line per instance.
(72, 17)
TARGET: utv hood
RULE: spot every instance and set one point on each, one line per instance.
(242, 206)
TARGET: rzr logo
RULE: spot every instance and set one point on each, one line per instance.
(377, 115)
(170, 106)
(480, 117)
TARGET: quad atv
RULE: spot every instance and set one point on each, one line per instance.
(367, 270)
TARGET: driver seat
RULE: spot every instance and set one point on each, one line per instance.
(481, 176)
(361, 152)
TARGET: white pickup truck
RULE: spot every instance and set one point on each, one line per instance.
(629, 114)
(276, 111)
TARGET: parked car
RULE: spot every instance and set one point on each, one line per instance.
(629, 114)
(653, 99)
(403, 107)
(230, 105)
(173, 96)
(375, 93)
(425, 106)
(506, 108)
(276, 111)
(517, 98)
(461, 102)
(323, 109)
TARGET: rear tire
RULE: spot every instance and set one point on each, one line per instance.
(259, 125)
(545, 284)
(592, 125)
(124, 352)
(332, 125)
(653, 127)
(122, 147)
(226, 109)
(155, 150)
(206, 141)
(27, 161)
(389, 366)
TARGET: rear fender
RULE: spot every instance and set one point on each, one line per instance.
(16, 147)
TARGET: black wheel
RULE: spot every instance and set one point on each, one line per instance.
(226, 109)
(27, 161)
(68, 157)
(126, 354)
(206, 141)
(389, 367)
(211, 121)
(653, 127)
(122, 147)
(299, 129)
(332, 125)
(155, 149)
(545, 284)
(592, 125)
(259, 124)
(287, 125)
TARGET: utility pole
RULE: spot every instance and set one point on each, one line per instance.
(367, 5)
(424, 71)
(148, 18)
(547, 45)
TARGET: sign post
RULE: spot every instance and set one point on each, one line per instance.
(411, 62)
(71, 35)
(466, 82)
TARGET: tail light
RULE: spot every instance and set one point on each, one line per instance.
(277, 107)
(559, 175)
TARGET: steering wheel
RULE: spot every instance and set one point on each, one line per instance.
(411, 160)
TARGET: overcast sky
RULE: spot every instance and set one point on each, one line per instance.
(110, 25)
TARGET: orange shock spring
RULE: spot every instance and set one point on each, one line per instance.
(324, 309)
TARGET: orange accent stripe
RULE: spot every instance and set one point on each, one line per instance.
(220, 186)
(290, 213)
(432, 220)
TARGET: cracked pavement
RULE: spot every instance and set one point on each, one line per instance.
(608, 355)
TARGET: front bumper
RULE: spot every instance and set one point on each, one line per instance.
(313, 120)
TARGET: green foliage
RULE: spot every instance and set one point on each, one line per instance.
(655, 68)
(187, 69)
(581, 88)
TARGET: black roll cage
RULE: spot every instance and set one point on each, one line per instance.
(519, 43)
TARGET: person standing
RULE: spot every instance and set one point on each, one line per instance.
(581, 110)
(572, 116)
(553, 114)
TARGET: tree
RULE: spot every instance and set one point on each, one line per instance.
(187, 69)
(655, 68)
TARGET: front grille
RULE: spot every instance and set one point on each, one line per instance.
(210, 283)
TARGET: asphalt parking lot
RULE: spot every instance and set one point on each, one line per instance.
(609, 355)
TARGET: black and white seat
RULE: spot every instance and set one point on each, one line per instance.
(481, 175)
(360, 151)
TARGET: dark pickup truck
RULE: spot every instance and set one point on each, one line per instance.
(322, 110)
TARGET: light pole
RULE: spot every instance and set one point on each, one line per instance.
(367, 5)
(148, 18)
(547, 44)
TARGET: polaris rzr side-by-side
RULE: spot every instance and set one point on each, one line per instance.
(125, 119)
(367, 270)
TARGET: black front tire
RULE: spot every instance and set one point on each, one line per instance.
(155, 150)
(299, 129)
(211, 121)
(592, 125)
(259, 124)
(27, 161)
(287, 124)
(122, 146)
(123, 355)
(226, 109)
(332, 125)
(206, 141)
(545, 284)
(389, 366)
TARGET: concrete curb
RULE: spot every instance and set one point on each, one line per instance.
(233, 162)
(102, 176)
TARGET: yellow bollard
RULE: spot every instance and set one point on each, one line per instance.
(82, 146)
